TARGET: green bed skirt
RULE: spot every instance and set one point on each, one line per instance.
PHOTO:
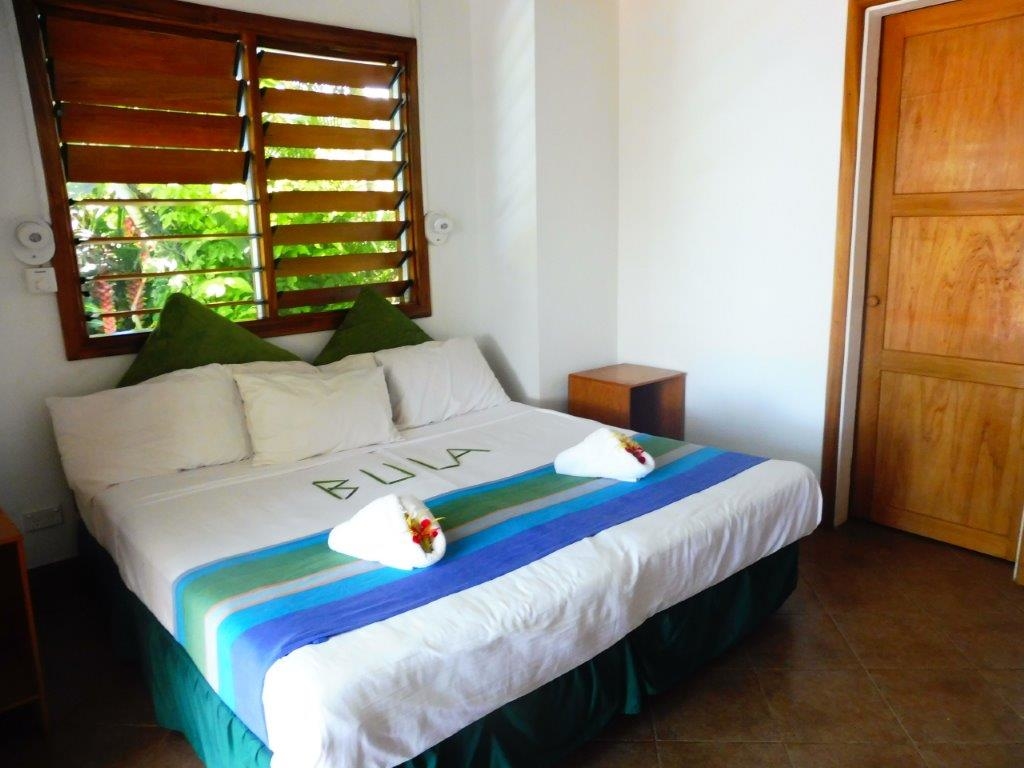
(538, 729)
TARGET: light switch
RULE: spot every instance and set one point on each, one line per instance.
(41, 280)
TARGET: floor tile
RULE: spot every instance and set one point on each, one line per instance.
(973, 755)
(629, 728)
(994, 642)
(803, 600)
(995, 570)
(23, 742)
(734, 658)
(827, 547)
(829, 706)
(691, 754)
(949, 706)
(824, 546)
(716, 705)
(899, 640)
(624, 754)
(847, 589)
(854, 756)
(890, 548)
(1008, 683)
(173, 752)
(108, 747)
(957, 597)
(800, 641)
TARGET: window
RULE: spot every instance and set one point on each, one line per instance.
(267, 167)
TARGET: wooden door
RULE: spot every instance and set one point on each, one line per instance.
(940, 422)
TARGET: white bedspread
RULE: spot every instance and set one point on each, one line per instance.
(382, 694)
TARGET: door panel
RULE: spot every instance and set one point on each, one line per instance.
(956, 287)
(960, 109)
(952, 450)
(940, 416)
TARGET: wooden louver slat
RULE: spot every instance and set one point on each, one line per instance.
(328, 137)
(348, 232)
(85, 241)
(332, 170)
(134, 50)
(88, 124)
(117, 276)
(129, 165)
(154, 310)
(355, 74)
(313, 202)
(120, 87)
(339, 264)
(313, 296)
(184, 201)
(290, 102)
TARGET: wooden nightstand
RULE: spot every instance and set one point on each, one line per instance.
(630, 396)
(21, 676)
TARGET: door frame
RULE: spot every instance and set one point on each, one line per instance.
(1018, 566)
(849, 280)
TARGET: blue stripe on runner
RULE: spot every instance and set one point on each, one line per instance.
(264, 643)
(188, 577)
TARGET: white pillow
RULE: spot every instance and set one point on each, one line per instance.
(437, 380)
(294, 416)
(181, 420)
(272, 366)
(352, 362)
(260, 366)
(358, 362)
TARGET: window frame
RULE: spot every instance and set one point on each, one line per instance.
(252, 29)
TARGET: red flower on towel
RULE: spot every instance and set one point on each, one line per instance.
(423, 532)
(632, 447)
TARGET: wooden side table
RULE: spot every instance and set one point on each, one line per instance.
(632, 397)
(21, 676)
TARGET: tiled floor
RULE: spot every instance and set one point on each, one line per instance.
(894, 651)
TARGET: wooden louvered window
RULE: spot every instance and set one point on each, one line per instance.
(266, 167)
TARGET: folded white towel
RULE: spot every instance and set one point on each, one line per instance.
(605, 453)
(397, 531)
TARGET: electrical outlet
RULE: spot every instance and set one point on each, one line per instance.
(42, 518)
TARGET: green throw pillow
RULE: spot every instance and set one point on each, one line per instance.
(189, 334)
(372, 324)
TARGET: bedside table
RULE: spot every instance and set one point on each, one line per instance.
(632, 397)
(21, 676)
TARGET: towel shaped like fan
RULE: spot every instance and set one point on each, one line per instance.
(396, 531)
(606, 453)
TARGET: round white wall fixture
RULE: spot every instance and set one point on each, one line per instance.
(34, 243)
(438, 227)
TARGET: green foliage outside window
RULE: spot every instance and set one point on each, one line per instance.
(213, 240)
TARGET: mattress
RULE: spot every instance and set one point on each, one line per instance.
(383, 693)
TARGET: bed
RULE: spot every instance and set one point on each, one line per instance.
(523, 666)
(209, 481)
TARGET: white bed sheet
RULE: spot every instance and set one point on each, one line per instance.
(386, 692)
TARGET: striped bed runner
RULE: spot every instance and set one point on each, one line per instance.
(237, 616)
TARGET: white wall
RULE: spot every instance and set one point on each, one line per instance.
(729, 117)
(577, 191)
(545, 99)
(483, 126)
(505, 158)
